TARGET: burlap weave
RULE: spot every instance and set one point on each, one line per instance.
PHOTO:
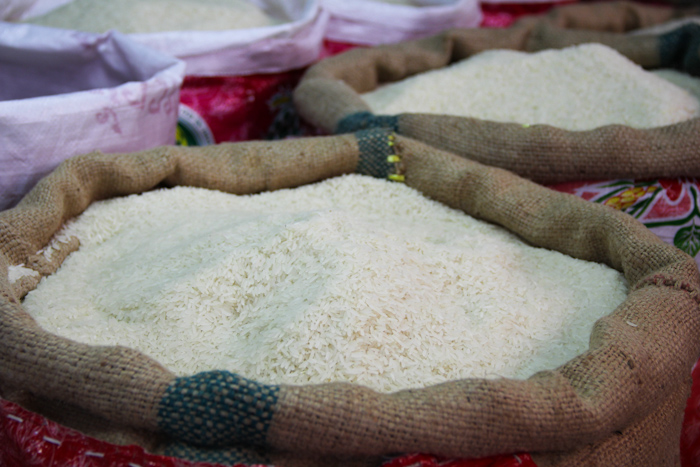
(329, 95)
(620, 403)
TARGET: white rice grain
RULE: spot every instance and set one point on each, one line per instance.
(576, 88)
(151, 16)
(17, 272)
(351, 279)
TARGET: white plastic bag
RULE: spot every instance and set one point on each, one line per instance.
(34, 8)
(272, 49)
(370, 22)
(294, 43)
(11, 10)
(64, 93)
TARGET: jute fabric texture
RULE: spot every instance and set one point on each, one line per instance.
(619, 403)
(328, 95)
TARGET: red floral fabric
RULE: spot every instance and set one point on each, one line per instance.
(668, 207)
(30, 440)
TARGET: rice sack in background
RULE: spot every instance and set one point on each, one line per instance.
(351, 279)
(576, 88)
(611, 124)
(150, 16)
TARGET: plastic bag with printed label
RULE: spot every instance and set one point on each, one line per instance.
(64, 93)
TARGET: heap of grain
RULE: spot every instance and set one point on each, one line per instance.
(351, 279)
(151, 16)
(576, 88)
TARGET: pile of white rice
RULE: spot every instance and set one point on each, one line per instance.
(351, 279)
(149, 16)
(576, 88)
(680, 79)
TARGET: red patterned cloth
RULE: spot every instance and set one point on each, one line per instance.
(426, 460)
(502, 15)
(668, 207)
(690, 436)
(30, 440)
(243, 108)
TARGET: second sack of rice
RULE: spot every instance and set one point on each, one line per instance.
(555, 98)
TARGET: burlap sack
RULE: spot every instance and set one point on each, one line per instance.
(618, 404)
(329, 96)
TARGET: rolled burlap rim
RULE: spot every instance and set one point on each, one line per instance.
(629, 387)
(328, 96)
(65, 193)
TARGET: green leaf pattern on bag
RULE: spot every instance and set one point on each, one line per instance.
(688, 239)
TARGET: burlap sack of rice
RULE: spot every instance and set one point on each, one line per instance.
(619, 403)
(330, 95)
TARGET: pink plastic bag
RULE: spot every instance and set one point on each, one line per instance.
(116, 96)
(294, 43)
(372, 22)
